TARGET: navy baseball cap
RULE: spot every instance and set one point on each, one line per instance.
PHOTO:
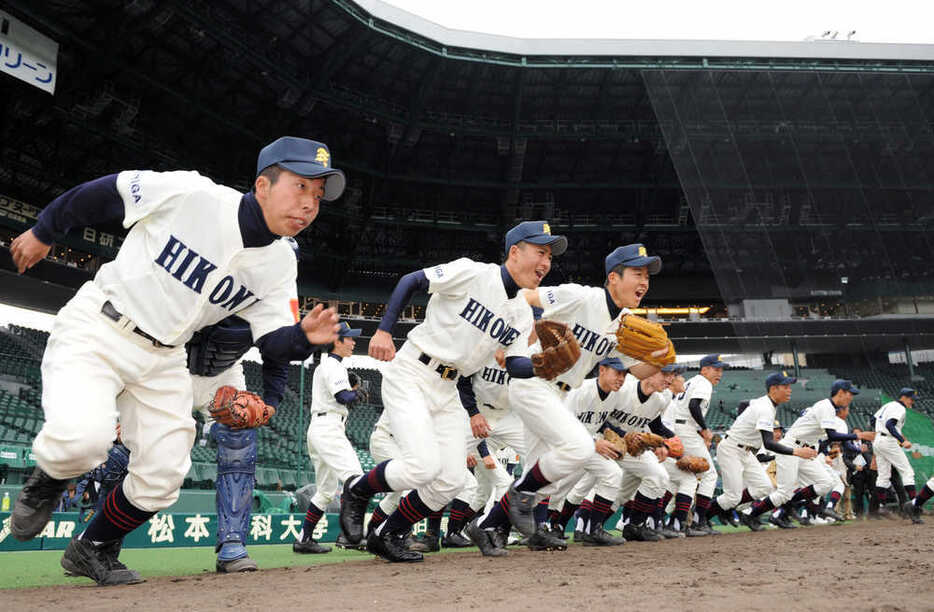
(305, 158)
(907, 392)
(613, 362)
(536, 232)
(633, 256)
(845, 385)
(674, 367)
(713, 361)
(779, 378)
(346, 332)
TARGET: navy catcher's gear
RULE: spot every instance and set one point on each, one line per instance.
(215, 348)
(112, 472)
(236, 467)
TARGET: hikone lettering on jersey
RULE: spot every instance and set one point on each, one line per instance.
(592, 341)
(486, 321)
(592, 416)
(630, 421)
(198, 268)
(495, 375)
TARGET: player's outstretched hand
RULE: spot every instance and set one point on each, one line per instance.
(865, 435)
(381, 346)
(471, 461)
(479, 426)
(906, 444)
(606, 449)
(805, 452)
(27, 251)
(489, 462)
(321, 325)
(707, 435)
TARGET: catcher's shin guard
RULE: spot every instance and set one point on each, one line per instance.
(236, 467)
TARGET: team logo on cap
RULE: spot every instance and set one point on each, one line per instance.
(322, 156)
(642, 252)
(784, 373)
(546, 229)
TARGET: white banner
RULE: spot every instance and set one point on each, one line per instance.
(26, 54)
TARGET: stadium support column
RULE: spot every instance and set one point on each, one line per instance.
(301, 413)
(794, 356)
(911, 365)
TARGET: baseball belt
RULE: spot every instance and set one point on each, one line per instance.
(446, 372)
(113, 314)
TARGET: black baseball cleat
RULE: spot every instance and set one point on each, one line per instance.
(235, 566)
(353, 509)
(600, 537)
(426, 542)
(543, 540)
(581, 537)
(392, 548)
(831, 513)
(668, 533)
(913, 512)
(707, 527)
(691, 531)
(309, 547)
(34, 505)
(455, 540)
(727, 519)
(485, 539)
(521, 504)
(640, 533)
(781, 522)
(557, 531)
(342, 543)
(750, 521)
(98, 562)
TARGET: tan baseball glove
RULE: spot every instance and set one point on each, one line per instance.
(618, 442)
(239, 409)
(560, 350)
(695, 465)
(639, 338)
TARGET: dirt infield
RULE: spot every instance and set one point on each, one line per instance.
(884, 565)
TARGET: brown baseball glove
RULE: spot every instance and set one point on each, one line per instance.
(560, 350)
(692, 464)
(634, 443)
(639, 338)
(239, 409)
(834, 451)
(618, 442)
(675, 447)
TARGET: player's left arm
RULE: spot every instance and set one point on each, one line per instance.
(657, 427)
(892, 426)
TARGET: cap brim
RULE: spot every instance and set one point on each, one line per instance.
(558, 244)
(351, 333)
(335, 179)
(854, 391)
(653, 263)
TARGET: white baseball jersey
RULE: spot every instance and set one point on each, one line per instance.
(809, 428)
(892, 410)
(330, 377)
(697, 387)
(469, 316)
(172, 278)
(586, 404)
(758, 417)
(489, 386)
(586, 312)
(629, 413)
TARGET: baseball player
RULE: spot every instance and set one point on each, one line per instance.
(332, 455)
(557, 444)
(889, 421)
(816, 423)
(592, 403)
(744, 478)
(474, 309)
(689, 411)
(196, 253)
(638, 408)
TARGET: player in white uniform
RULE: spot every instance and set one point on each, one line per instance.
(688, 410)
(474, 309)
(889, 442)
(638, 407)
(557, 444)
(816, 423)
(744, 478)
(196, 252)
(591, 404)
(333, 457)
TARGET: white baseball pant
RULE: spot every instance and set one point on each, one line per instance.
(740, 470)
(889, 454)
(694, 445)
(643, 474)
(332, 455)
(792, 472)
(95, 369)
